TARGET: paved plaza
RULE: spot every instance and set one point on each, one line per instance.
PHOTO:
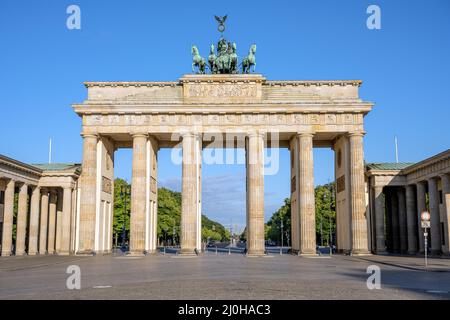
(223, 276)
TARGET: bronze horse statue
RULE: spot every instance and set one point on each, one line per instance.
(198, 61)
(250, 60)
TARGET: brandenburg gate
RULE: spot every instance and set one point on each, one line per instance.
(146, 116)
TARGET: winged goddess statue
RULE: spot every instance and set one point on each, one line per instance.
(221, 21)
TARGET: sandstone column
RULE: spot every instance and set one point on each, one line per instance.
(138, 194)
(402, 220)
(379, 220)
(306, 199)
(411, 220)
(421, 207)
(66, 220)
(358, 197)
(88, 182)
(8, 217)
(395, 222)
(52, 223)
(295, 232)
(22, 212)
(435, 216)
(34, 221)
(190, 215)
(44, 222)
(255, 194)
(59, 213)
(445, 178)
(388, 217)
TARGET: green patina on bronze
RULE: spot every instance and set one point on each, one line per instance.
(225, 60)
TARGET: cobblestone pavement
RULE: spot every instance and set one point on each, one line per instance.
(223, 276)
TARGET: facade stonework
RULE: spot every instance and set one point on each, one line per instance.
(298, 115)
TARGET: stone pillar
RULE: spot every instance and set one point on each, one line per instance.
(445, 178)
(88, 182)
(52, 223)
(307, 210)
(403, 233)
(34, 222)
(411, 220)
(66, 221)
(21, 226)
(44, 222)
(59, 214)
(395, 222)
(388, 217)
(435, 216)
(379, 220)
(295, 232)
(190, 215)
(255, 194)
(138, 195)
(8, 216)
(358, 196)
(421, 207)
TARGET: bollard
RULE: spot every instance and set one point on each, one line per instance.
(164, 250)
(281, 251)
(216, 250)
(229, 251)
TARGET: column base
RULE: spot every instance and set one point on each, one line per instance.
(32, 253)
(188, 252)
(63, 253)
(135, 254)
(86, 253)
(436, 253)
(6, 254)
(255, 254)
(360, 253)
(381, 252)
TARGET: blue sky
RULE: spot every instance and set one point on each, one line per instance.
(405, 67)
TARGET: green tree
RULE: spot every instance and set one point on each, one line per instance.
(121, 210)
(325, 212)
(325, 217)
(273, 229)
(169, 216)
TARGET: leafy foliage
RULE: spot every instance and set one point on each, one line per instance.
(273, 226)
(169, 217)
(325, 217)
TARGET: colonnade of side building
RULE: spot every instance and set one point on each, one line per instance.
(399, 194)
(46, 208)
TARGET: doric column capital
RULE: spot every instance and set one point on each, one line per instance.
(139, 135)
(356, 134)
(305, 134)
(89, 135)
(432, 180)
(420, 183)
(260, 134)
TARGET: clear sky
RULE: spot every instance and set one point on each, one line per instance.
(405, 67)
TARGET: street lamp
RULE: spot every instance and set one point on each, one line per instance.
(173, 235)
(425, 218)
(282, 244)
